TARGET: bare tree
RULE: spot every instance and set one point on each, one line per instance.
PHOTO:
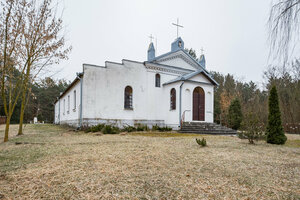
(11, 28)
(284, 28)
(43, 44)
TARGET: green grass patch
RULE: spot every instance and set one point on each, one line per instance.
(293, 143)
(19, 157)
(35, 144)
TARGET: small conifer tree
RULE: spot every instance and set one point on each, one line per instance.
(251, 128)
(235, 115)
(275, 133)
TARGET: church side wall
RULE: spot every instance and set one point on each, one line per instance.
(103, 96)
(56, 114)
(68, 110)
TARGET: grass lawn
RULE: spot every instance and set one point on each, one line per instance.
(56, 163)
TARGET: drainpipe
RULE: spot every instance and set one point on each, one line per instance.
(180, 92)
(58, 110)
(80, 108)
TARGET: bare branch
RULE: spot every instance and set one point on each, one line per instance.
(284, 29)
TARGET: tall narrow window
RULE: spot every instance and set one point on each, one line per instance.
(157, 80)
(128, 98)
(74, 100)
(173, 99)
(68, 104)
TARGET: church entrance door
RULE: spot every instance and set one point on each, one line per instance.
(198, 104)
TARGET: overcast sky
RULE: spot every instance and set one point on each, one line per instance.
(233, 33)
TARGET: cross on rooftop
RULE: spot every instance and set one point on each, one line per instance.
(151, 38)
(202, 50)
(177, 25)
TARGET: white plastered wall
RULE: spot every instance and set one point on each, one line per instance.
(68, 111)
(103, 94)
(188, 89)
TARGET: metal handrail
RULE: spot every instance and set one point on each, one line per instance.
(183, 117)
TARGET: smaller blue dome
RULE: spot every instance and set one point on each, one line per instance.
(177, 44)
(151, 52)
(202, 61)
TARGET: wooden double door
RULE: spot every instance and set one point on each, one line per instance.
(198, 104)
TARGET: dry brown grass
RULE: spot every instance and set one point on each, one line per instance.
(84, 166)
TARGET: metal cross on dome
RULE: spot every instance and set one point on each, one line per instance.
(178, 26)
(202, 50)
(151, 38)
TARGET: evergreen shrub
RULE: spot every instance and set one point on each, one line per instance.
(275, 133)
(235, 115)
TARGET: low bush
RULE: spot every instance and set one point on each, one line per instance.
(97, 128)
(108, 129)
(84, 128)
(141, 127)
(201, 142)
(105, 129)
(129, 129)
(165, 128)
(251, 128)
(161, 129)
(155, 127)
(93, 129)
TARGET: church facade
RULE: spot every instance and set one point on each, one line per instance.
(165, 90)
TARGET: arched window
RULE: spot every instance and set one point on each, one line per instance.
(173, 99)
(128, 98)
(157, 80)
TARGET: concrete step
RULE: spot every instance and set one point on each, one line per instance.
(222, 130)
(206, 128)
(210, 132)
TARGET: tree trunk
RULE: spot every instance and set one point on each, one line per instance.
(20, 132)
(7, 128)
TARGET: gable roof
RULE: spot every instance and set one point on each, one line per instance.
(190, 75)
(78, 76)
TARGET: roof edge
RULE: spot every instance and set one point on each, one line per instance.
(78, 77)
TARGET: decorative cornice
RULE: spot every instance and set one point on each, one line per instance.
(166, 68)
(179, 55)
(163, 69)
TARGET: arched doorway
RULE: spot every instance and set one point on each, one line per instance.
(198, 104)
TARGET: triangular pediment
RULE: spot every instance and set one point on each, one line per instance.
(199, 76)
(179, 59)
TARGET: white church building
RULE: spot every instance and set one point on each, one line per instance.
(165, 90)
